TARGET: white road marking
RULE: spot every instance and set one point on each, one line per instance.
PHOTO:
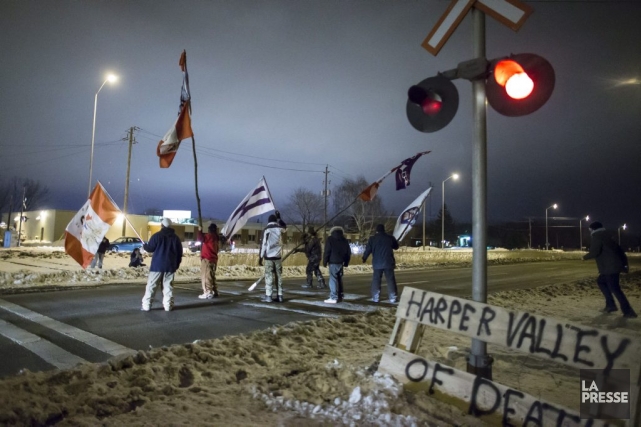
(278, 306)
(47, 351)
(323, 293)
(412, 283)
(88, 338)
(340, 305)
(219, 291)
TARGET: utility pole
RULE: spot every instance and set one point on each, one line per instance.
(325, 195)
(124, 205)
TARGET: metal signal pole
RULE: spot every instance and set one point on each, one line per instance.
(325, 195)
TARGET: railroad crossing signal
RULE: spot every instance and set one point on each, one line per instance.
(432, 104)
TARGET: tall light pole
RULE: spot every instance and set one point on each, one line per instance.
(455, 177)
(587, 218)
(111, 78)
(547, 242)
(619, 231)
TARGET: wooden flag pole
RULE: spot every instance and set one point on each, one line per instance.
(200, 217)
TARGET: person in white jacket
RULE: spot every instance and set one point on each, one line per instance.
(271, 252)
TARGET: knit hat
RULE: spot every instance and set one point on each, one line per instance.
(212, 228)
(595, 225)
(272, 218)
(311, 231)
(166, 222)
(380, 228)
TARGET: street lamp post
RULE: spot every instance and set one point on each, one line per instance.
(547, 242)
(587, 218)
(455, 177)
(624, 226)
(110, 78)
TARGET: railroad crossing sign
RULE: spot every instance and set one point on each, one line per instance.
(511, 13)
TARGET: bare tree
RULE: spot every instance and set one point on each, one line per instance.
(361, 216)
(12, 191)
(304, 206)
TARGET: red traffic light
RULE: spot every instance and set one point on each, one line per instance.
(432, 104)
(520, 85)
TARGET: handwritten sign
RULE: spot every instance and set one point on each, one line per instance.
(484, 397)
(574, 345)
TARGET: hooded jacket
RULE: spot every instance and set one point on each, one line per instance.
(271, 247)
(610, 258)
(210, 245)
(167, 251)
(381, 246)
(337, 250)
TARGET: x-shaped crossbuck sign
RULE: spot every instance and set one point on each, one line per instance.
(512, 13)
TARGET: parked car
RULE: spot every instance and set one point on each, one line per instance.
(194, 246)
(125, 244)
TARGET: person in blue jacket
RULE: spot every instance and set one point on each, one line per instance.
(167, 253)
(382, 246)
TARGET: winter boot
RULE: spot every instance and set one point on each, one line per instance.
(309, 284)
(321, 283)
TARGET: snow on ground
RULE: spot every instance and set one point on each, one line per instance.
(314, 373)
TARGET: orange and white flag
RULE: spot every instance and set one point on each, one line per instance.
(87, 228)
(168, 146)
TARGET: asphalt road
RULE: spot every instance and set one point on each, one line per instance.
(48, 330)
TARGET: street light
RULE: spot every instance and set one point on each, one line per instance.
(587, 218)
(547, 243)
(111, 78)
(455, 177)
(619, 231)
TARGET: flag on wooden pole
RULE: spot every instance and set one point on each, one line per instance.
(168, 146)
(87, 228)
(402, 178)
(407, 218)
(257, 202)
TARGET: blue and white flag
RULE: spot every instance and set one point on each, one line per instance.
(257, 202)
(407, 218)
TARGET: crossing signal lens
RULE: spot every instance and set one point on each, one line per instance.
(510, 74)
(432, 104)
(520, 85)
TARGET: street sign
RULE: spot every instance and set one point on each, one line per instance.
(446, 25)
(511, 13)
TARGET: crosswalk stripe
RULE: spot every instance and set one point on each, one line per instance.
(340, 305)
(347, 297)
(47, 351)
(88, 338)
(277, 306)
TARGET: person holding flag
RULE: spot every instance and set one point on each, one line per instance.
(271, 251)
(210, 245)
(382, 246)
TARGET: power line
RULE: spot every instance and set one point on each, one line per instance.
(200, 151)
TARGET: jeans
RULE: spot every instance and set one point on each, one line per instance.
(390, 278)
(336, 281)
(99, 257)
(609, 285)
(155, 278)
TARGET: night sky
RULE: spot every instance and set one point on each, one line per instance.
(281, 88)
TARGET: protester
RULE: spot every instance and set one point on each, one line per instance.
(271, 251)
(313, 252)
(210, 245)
(610, 261)
(337, 254)
(381, 246)
(167, 255)
(100, 253)
(136, 259)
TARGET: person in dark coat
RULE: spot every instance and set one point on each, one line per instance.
(167, 254)
(100, 253)
(382, 246)
(610, 261)
(136, 259)
(337, 255)
(313, 252)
